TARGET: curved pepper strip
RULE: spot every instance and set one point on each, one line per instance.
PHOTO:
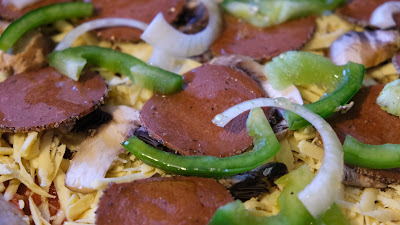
(292, 210)
(42, 16)
(351, 82)
(72, 60)
(386, 156)
(271, 12)
(265, 146)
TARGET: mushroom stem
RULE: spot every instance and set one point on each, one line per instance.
(96, 154)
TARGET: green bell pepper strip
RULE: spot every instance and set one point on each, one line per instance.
(386, 156)
(72, 60)
(265, 146)
(292, 210)
(42, 16)
(351, 82)
(269, 12)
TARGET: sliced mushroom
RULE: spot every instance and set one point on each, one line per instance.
(251, 184)
(29, 53)
(9, 214)
(353, 178)
(382, 16)
(369, 48)
(256, 71)
(96, 154)
(396, 62)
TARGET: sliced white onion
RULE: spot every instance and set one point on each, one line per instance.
(161, 59)
(290, 92)
(19, 4)
(161, 35)
(382, 16)
(96, 24)
(319, 195)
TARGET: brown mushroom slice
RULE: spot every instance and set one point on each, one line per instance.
(143, 10)
(96, 154)
(10, 12)
(396, 62)
(369, 48)
(28, 54)
(183, 121)
(262, 44)
(352, 177)
(9, 213)
(162, 200)
(359, 11)
(369, 124)
(37, 100)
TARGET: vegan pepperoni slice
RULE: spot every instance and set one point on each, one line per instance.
(143, 10)
(366, 121)
(183, 121)
(241, 38)
(369, 124)
(45, 98)
(9, 12)
(359, 11)
(162, 200)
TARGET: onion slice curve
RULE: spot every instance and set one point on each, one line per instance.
(96, 24)
(161, 35)
(319, 195)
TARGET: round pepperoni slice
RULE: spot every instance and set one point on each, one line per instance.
(359, 11)
(262, 44)
(44, 99)
(143, 10)
(9, 12)
(183, 121)
(162, 200)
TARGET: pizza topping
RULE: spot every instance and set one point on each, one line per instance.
(383, 16)
(29, 53)
(262, 44)
(327, 180)
(42, 16)
(256, 71)
(268, 13)
(353, 178)
(305, 67)
(366, 121)
(292, 211)
(386, 156)
(210, 89)
(360, 11)
(169, 43)
(96, 153)
(369, 48)
(396, 62)
(143, 10)
(163, 200)
(9, 213)
(14, 9)
(45, 99)
(265, 146)
(96, 24)
(389, 98)
(71, 62)
(19, 4)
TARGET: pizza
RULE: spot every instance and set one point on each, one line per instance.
(137, 112)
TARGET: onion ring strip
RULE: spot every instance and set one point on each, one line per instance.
(96, 24)
(319, 195)
(161, 35)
